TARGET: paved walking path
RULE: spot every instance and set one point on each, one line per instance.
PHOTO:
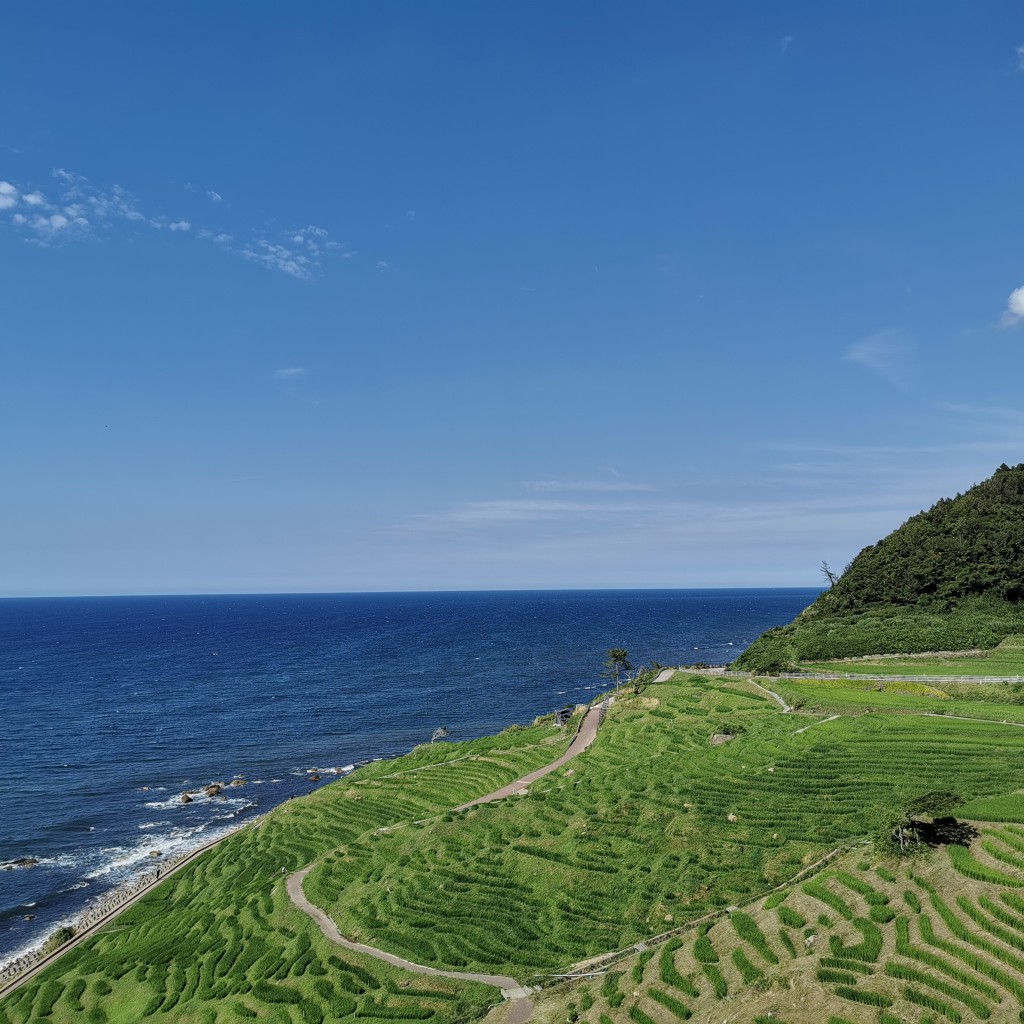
(786, 708)
(586, 735)
(330, 930)
(522, 1008)
(821, 721)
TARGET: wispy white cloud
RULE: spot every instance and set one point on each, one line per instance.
(104, 203)
(83, 208)
(785, 43)
(1014, 312)
(887, 354)
(595, 486)
(39, 219)
(220, 237)
(871, 452)
(298, 253)
(383, 265)
(274, 256)
(1002, 426)
(493, 513)
(290, 373)
(1020, 58)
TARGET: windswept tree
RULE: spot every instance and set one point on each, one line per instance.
(617, 663)
(923, 821)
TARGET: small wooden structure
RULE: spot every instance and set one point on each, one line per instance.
(563, 715)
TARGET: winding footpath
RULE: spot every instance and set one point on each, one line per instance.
(330, 931)
(521, 1008)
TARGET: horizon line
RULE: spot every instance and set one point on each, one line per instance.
(367, 593)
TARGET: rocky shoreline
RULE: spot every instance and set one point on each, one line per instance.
(105, 907)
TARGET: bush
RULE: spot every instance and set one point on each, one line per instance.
(668, 972)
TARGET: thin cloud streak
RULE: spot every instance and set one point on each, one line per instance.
(595, 486)
(683, 515)
(887, 354)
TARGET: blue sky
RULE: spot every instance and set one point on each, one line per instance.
(386, 296)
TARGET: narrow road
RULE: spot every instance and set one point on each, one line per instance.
(511, 989)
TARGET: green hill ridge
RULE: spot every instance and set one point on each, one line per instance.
(949, 579)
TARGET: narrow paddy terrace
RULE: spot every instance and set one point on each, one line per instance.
(699, 795)
(653, 826)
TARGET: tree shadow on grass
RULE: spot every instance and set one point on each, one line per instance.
(946, 831)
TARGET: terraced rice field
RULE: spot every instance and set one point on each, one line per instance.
(1007, 659)
(221, 942)
(861, 942)
(651, 827)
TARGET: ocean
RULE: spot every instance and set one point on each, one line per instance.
(114, 707)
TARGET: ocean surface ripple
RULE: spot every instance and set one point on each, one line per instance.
(115, 707)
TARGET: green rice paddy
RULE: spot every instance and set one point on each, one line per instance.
(652, 827)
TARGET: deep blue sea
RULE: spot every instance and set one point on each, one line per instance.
(113, 707)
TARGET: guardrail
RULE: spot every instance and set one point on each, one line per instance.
(883, 677)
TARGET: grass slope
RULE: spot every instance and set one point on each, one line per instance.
(1006, 659)
(652, 827)
(868, 940)
(221, 941)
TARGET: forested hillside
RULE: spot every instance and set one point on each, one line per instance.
(949, 578)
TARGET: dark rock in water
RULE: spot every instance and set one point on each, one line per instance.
(155, 853)
(213, 789)
(21, 862)
(314, 777)
(237, 781)
(29, 917)
(185, 798)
